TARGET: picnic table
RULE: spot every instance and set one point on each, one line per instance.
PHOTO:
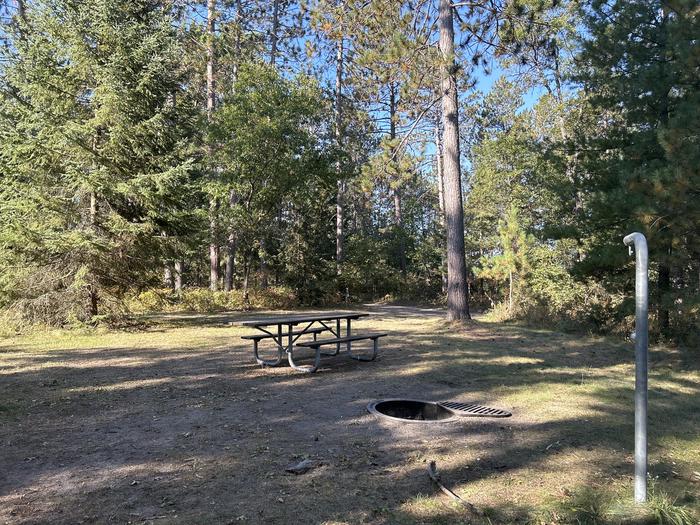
(282, 331)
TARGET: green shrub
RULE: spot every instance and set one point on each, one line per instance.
(203, 300)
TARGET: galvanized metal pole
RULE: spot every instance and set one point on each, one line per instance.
(641, 351)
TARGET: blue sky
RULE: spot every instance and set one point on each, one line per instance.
(485, 83)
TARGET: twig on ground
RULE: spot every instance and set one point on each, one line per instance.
(433, 473)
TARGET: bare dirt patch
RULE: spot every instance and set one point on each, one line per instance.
(177, 424)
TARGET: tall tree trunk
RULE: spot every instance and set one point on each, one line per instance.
(92, 287)
(178, 276)
(213, 247)
(441, 199)
(275, 29)
(398, 216)
(168, 275)
(263, 265)
(211, 102)
(231, 245)
(167, 266)
(340, 199)
(273, 61)
(230, 263)
(457, 292)
(246, 280)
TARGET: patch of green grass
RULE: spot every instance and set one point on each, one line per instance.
(436, 510)
(602, 506)
(667, 511)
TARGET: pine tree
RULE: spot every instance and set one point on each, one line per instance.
(641, 70)
(457, 291)
(94, 153)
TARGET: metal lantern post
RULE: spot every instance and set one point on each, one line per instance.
(641, 351)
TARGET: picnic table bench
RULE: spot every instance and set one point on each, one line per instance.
(281, 329)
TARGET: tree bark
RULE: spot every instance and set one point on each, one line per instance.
(211, 58)
(457, 291)
(93, 309)
(340, 199)
(246, 279)
(398, 217)
(211, 102)
(178, 276)
(168, 275)
(275, 29)
(263, 265)
(441, 199)
(230, 262)
(213, 247)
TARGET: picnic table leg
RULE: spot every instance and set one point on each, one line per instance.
(337, 334)
(268, 362)
(375, 345)
(309, 369)
(337, 328)
(348, 333)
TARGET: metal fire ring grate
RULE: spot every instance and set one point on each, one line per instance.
(473, 410)
(411, 411)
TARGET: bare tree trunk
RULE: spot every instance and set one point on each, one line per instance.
(246, 279)
(230, 262)
(92, 287)
(398, 218)
(178, 276)
(441, 198)
(457, 292)
(275, 29)
(231, 245)
(168, 275)
(213, 247)
(211, 102)
(167, 267)
(94, 298)
(340, 199)
(397, 208)
(263, 265)
(211, 58)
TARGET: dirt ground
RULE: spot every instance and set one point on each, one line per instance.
(177, 424)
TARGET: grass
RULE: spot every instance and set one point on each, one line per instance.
(565, 457)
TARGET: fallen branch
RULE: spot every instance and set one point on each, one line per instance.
(433, 473)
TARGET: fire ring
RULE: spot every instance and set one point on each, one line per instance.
(410, 411)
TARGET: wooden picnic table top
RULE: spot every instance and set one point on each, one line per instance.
(296, 319)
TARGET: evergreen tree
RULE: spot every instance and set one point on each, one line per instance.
(94, 153)
(641, 70)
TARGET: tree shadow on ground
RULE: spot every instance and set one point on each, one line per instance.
(200, 433)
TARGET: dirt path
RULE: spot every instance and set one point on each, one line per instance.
(178, 425)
